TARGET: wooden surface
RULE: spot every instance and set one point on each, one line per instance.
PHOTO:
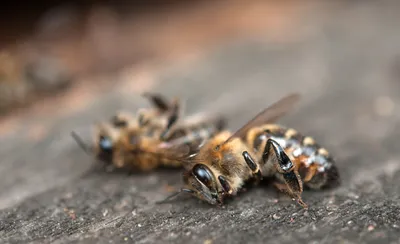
(343, 58)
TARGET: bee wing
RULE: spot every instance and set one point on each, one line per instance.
(171, 151)
(217, 119)
(269, 115)
(174, 149)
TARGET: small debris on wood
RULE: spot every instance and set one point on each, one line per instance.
(276, 216)
(71, 213)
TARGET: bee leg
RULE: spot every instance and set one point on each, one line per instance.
(282, 187)
(275, 155)
(225, 185)
(158, 101)
(253, 166)
(143, 121)
(172, 120)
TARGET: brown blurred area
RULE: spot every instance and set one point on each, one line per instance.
(47, 48)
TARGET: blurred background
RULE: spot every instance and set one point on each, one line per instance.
(48, 48)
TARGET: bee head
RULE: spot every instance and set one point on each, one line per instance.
(103, 146)
(202, 183)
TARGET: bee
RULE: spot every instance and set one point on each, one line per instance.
(260, 149)
(107, 135)
(152, 138)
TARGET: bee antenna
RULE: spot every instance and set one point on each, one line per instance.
(80, 142)
(183, 190)
(88, 150)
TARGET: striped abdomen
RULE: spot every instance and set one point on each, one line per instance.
(317, 169)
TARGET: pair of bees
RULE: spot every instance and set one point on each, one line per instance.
(216, 162)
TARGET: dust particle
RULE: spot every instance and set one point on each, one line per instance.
(71, 213)
(371, 227)
(332, 208)
(276, 216)
(353, 195)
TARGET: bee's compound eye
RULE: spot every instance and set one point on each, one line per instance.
(105, 143)
(203, 174)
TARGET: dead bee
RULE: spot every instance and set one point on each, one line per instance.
(153, 137)
(148, 147)
(259, 150)
(108, 136)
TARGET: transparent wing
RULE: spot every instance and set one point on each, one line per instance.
(174, 149)
(171, 151)
(269, 115)
(217, 119)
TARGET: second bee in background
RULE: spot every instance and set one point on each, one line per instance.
(153, 137)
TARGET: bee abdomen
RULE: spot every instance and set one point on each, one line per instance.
(325, 173)
(313, 154)
(301, 148)
(287, 138)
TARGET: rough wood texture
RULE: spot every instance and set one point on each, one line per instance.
(345, 65)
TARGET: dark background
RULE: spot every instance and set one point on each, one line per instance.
(230, 56)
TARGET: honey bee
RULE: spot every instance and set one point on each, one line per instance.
(107, 135)
(152, 138)
(260, 149)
